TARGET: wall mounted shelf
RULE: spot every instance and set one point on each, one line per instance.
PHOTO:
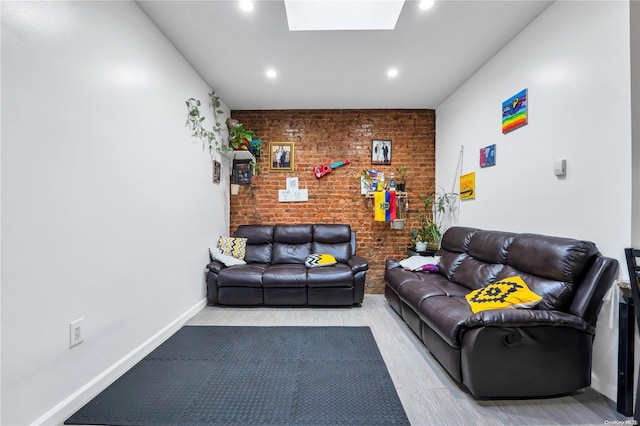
(401, 208)
(239, 155)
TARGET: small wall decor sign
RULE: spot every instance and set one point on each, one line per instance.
(514, 112)
(381, 152)
(468, 186)
(488, 156)
(293, 193)
(281, 156)
(217, 171)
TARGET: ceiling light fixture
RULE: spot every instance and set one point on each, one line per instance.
(246, 5)
(426, 4)
(324, 15)
(271, 73)
(393, 72)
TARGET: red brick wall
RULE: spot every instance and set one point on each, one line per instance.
(326, 136)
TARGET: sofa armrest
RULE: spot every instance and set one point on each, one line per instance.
(527, 318)
(358, 264)
(392, 263)
(215, 266)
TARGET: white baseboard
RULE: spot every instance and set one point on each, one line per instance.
(610, 391)
(58, 414)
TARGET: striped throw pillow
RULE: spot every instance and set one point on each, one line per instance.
(232, 246)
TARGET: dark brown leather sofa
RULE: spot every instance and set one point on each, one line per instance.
(275, 273)
(507, 353)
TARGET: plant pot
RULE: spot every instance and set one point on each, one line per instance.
(255, 147)
(398, 223)
(433, 246)
(400, 187)
(421, 246)
(235, 189)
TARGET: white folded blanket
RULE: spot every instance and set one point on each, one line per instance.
(417, 262)
(216, 254)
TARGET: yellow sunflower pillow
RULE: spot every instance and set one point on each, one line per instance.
(511, 292)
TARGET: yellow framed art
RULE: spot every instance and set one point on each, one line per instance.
(281, 156)
(468, 186)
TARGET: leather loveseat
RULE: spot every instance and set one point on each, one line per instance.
(507, 353)
(275, 272)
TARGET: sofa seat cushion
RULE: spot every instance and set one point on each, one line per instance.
(285, 275)
(338, 275)
(396, 277)
(446, 315)
(249, 275)
(413, 292)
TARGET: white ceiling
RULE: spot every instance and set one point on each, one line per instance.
(435, 51)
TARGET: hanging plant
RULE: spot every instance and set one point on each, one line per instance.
(211, 139)
(239, 137)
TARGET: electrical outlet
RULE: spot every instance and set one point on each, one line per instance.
(75, 332)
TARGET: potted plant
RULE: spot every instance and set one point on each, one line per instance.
(436, 209)
(428, 234)
(239, 137)
(402, 171)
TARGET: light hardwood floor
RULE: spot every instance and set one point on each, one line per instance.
(428, 394)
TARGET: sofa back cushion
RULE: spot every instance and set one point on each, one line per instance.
(491, 246)
(333, 239)
(291, 243)
(454, 247)
(556, 258)
(473, 273)
(259, 242)
(551, 266)
(487, 256)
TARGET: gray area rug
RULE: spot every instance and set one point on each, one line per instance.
(254, 375)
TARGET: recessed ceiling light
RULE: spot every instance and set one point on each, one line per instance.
(426, 4)
(393, 72)
(271, 73)
(246, 5)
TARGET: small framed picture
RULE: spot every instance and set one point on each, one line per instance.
(242, 172)
(381, 152)
(468, 186)
(216, 167)
(488, 156)
(281, 156)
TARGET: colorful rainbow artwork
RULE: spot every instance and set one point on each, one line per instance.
(514, 112)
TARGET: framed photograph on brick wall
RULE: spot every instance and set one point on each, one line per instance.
(381, 152)
(281, 156)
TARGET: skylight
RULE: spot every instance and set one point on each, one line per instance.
(328, 15)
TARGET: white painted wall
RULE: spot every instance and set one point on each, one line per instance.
(575, 61)
(107, 206)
